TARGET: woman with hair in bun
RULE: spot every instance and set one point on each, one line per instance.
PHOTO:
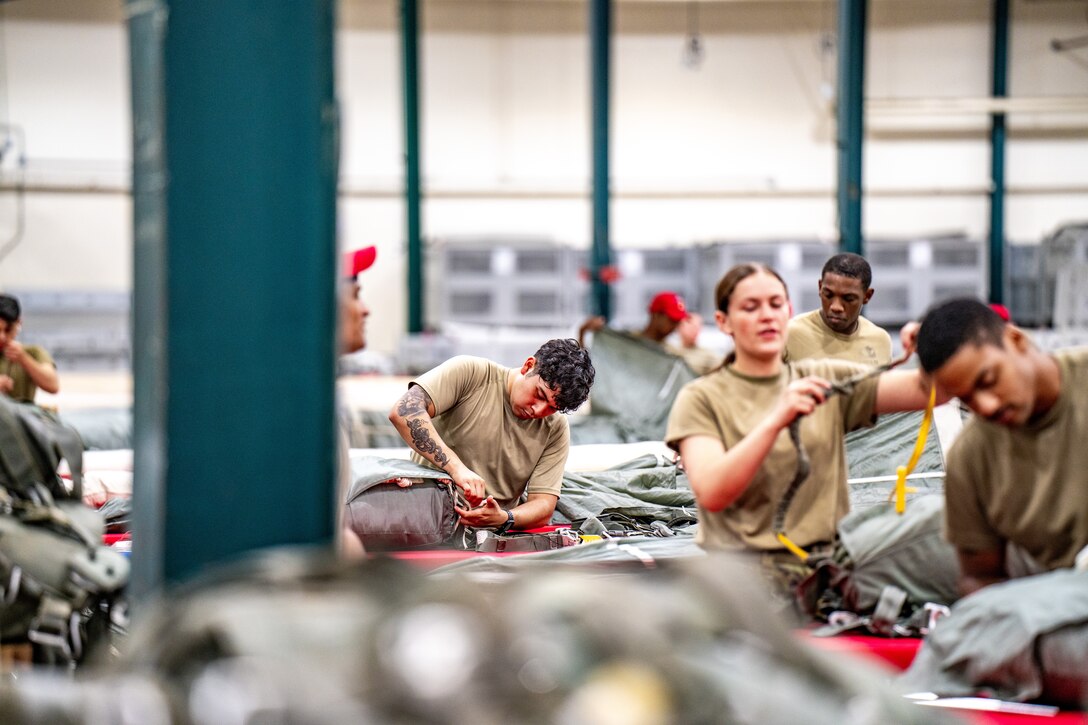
(731, 428)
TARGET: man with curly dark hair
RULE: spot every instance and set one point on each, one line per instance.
(494, 430)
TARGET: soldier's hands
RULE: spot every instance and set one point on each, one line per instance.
(471, 484)
(908, 336)
(14, 351)
(489, 514)
(800, 398)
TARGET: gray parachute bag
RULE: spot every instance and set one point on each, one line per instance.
(884, 567)
(59, 585)
(33, 442)
(387, 516)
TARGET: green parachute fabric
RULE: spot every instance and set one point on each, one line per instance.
(636, 384)
(643, 486)
(879, 450)
(1024, 639)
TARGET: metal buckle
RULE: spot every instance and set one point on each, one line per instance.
(53, 627)
(934, 613)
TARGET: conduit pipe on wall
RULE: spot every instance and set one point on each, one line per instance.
(975, 105)
(14, 142)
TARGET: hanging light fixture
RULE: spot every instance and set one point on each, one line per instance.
(1059, 45)
(693, 52)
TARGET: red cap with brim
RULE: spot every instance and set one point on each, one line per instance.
(669, 304)
(1001, 310)
(359, 260)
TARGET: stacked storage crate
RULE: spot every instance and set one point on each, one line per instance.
(508, 282)
(80, 329)
(909, 276)
(540, 287)
(646, 272)
(798, 262)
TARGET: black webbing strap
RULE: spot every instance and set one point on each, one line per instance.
(804, 466)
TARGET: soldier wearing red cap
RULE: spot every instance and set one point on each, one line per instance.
(352, 338)
(668, 314)
(353, 311)
(1002, 311)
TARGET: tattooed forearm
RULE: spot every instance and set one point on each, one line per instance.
(414, 402)
(422, 442)
(413, 408)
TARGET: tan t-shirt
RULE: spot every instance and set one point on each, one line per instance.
(810, 337)
(1027, 485)
(474, 418)
(25, 389)
(727, 405)
(700, 360)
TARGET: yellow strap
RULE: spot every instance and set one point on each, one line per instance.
(797, 550)
(902, 472)
(901, 488)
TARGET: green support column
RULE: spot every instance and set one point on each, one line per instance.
(234, 281)
(410, 46)
(600, 28)
(997, 152)
(147, 25)
(851, 122)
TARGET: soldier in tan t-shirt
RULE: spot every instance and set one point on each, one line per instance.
(729, 404)
(837, 330)
(23, 368)
(731, 428)
(1018, 472)
(494, 430)
(351, 337)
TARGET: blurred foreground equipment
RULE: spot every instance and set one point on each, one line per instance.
(61, 589)
(291, 637)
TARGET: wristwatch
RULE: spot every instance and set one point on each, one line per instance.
(506, 525)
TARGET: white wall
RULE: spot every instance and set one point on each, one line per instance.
(65, 84)
(741, 147)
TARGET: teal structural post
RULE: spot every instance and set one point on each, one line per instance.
(851, 122)
(146, 27)
(600, 28)
(412, 196)
(235, 309)
(999, 87)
